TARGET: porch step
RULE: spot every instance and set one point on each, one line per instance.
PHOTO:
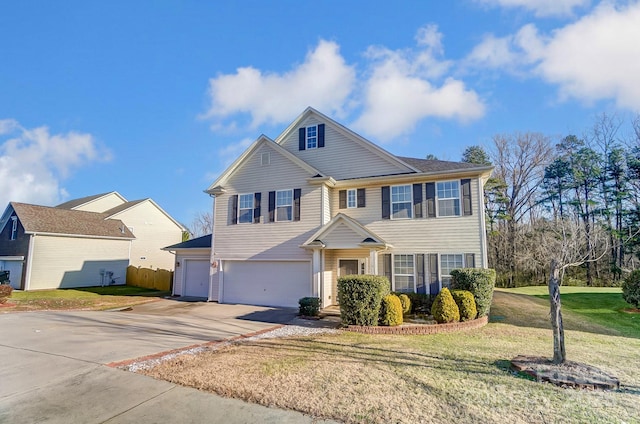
(330, 311)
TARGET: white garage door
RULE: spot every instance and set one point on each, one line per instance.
(196, 278)
(15, 271)
(278, 283)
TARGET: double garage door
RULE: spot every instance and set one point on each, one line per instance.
(273, 283)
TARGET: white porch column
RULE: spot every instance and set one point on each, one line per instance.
(373, 262)
(316, 269)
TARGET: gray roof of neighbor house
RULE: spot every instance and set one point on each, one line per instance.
(196, 243)
(434, 165)
(122, 207)
(81, 201)
(44, 219)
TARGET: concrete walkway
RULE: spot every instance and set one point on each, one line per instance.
(53, 367)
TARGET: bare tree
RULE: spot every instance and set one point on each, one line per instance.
(202, 224)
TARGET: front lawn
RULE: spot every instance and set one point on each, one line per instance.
(444, 378)
(90, 298)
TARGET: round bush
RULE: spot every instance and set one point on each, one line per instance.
(631, 289)
(444, 308)
(466, 304)
(309, 306)
(390, 310)
(406, 303)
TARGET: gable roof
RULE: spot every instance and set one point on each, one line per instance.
(203, 242)
(366, 237)
(74, 203)
(113, 212)
(374, 148)
(44, 219)
(261, 141)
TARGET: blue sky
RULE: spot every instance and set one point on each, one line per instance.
(155, 99)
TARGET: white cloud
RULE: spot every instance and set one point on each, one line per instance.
(594, 58)
(33, 162)
(403, 89)
(323, 81)
(541, 8)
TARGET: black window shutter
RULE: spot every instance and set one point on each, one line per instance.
(234, 209)
(361, 198)
(272, 206)
(469, 260)
(320, 135)
(256, 208)
(420, 284)
(434, 284)
(302, 139)
(431, 200)
(386, 267)
(296, 204)
(386, 202)
(417, 200)
(466, 196)
(342, 199)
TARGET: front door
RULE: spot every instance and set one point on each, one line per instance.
(348, 267)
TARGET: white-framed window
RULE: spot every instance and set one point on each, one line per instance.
(312, 137)
(245, 208)
(284, 205)
(448, 193)
(404, 273)
(401, 206)
(447, 263)
(352, 198)
(14, 227)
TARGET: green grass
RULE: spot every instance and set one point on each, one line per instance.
(599, 305)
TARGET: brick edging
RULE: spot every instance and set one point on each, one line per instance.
(158, 355)
(411, 329)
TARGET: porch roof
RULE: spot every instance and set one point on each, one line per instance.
(344, 232)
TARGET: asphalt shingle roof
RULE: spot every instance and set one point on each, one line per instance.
(429, 165)
(81, 201)
(196, 243)
(122, 207)
(44, 219)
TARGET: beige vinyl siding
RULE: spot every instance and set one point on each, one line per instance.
(342, 237)
(102, 204)
(461, 234)
(342, 157)
(153, 231)
(60, 262)
(326, 204)
(266, 240)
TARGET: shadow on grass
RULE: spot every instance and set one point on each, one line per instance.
(123, 291)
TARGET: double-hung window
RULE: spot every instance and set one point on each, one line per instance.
(284, 205)
(449, 262)
(448, 198)
(352, 201)
(403, 273)
(312, 137)
(245, 208)
(401, 207)
(14, 227)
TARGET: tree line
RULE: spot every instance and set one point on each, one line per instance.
(575, 200)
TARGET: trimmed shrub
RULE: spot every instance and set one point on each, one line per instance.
(406, 303)
(420, 303)
(390, 310)
(5, 292)
(631, 289)
(478, 281)
(444, 308)
(360, 298)
(466, 304)
(309, 306)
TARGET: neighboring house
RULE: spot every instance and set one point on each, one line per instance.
(45, 248)
(191, 275)
(84, 242)
(152, 226)
(293, 214)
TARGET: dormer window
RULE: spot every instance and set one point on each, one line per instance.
(312, 137)
(14, 227)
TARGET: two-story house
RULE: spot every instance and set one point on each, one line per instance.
(293, 214)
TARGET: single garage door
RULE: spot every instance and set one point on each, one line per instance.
(276, 283)
(15, 271)
(196, 278)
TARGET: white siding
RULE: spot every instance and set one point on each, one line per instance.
(342, 157)
(102, 204)
(153, 231)
(180, 257)
(342, 237)
(60, 262)
(266, 240)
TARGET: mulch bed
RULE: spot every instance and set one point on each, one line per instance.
(568, 374)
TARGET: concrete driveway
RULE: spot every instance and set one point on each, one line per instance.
(53, 367)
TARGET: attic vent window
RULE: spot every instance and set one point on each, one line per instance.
(14, 227)
(265, 159)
